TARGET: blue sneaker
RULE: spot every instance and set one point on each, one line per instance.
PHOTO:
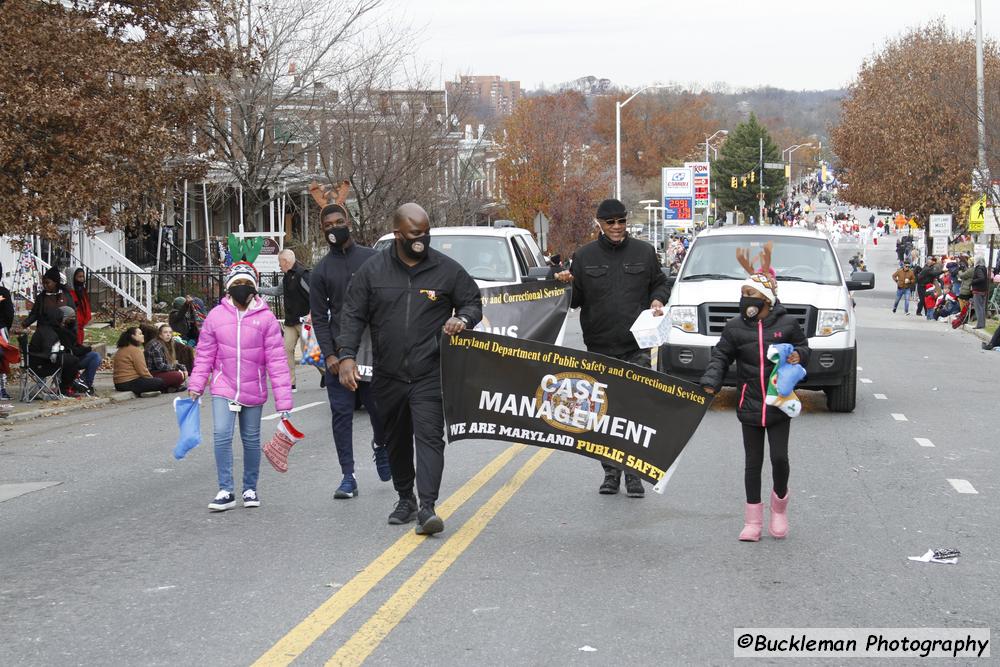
(380, 455)
(347, 489)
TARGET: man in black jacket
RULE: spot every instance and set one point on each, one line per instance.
(614, 279)
(408, 294)
(294, 290)
(75, 354)
(326, 296)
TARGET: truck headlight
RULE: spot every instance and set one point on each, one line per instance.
(684, 318)
(830, 322)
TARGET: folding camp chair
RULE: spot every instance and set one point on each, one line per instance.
(34, 385)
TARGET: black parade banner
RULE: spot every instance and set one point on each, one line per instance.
(533, 310)
(628, 416)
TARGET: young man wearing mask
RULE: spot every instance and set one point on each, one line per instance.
(614, 279)
(328, 284)
(409, 293)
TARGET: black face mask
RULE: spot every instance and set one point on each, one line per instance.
(242, 293)
(417, 248)
(750, 307)
(337, 236)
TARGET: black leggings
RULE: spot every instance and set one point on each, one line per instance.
(753, 445)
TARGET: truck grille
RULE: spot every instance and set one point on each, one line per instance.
(712, 317)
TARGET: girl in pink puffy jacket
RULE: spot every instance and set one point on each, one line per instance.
(240, 346)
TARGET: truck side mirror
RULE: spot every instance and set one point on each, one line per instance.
(861, 280)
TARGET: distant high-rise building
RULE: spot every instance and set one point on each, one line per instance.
(492, 92)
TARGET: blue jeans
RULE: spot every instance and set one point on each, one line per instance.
(224, 422)
(342, 402)
(88, 364)
(904, 294)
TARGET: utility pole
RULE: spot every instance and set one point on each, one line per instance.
(984, 176)
(760, 208)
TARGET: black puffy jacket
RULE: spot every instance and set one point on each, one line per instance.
(747, 343)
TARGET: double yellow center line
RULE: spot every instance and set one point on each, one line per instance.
(367, 639)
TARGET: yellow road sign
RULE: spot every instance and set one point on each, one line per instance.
(977, 214)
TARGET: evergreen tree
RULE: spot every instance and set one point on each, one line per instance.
(738, 157)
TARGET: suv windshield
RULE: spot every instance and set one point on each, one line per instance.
(794, 258)
(484, 257)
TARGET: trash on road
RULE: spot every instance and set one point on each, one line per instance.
(947, 556)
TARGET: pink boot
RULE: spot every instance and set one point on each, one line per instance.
(778, 526)
(754, 519)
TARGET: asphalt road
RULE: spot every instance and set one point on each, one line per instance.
(120, 563)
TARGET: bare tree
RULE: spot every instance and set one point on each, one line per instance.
(390, 141)
(265, 129)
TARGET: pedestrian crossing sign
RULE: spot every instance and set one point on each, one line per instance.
(977, 215)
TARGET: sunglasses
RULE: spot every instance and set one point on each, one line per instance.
(616, 221)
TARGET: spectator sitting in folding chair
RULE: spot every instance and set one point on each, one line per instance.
(82, 356)
(46, 353)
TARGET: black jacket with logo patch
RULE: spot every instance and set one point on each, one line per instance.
(612, 284)
(746, 343)
(406, 308)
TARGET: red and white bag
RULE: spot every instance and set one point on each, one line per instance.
(277, 448)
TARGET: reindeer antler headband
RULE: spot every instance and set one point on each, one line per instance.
(762, 279)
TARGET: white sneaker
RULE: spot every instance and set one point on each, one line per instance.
(224, 500)
(250, 499)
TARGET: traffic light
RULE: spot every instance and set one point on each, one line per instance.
(744, 181)
(734, 182)
(753, 176)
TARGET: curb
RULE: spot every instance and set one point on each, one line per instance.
(28, 415)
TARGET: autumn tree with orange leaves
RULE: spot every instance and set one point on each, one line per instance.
(658, 130)
(548, 165)
(907, 136)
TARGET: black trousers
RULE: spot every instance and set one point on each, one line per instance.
(753, 445)
(639, 358)
(921, 293)
(413, 415)
(141, 385)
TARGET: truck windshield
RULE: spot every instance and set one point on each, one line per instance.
(484, 257)
(794, 258)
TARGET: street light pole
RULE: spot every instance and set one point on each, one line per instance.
(618, 138)
(791, 149)
(708, 139)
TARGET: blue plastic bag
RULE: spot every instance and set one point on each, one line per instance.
(189, 422)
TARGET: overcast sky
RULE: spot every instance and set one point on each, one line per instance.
(795, 44)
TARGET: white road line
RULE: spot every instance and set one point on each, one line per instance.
(962, 486)
(899, 417)
(924, 442)
(881, 397)
(301, 407)
(865, 380)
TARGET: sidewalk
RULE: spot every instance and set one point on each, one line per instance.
(106, 395)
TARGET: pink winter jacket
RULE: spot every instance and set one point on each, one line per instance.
(240, 351)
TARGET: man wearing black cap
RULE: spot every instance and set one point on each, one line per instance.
(614, 279)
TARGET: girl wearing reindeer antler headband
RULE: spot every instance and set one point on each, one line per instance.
(762, 322)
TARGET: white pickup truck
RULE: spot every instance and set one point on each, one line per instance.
(811, 287)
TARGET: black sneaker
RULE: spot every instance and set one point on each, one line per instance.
(986, 346)
(224, 500)
(633, 487)
(250, 498)
(610, 485)
(380, 455)
(428, 523)
(405, 511)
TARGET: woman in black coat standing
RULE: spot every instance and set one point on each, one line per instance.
(762, 321)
